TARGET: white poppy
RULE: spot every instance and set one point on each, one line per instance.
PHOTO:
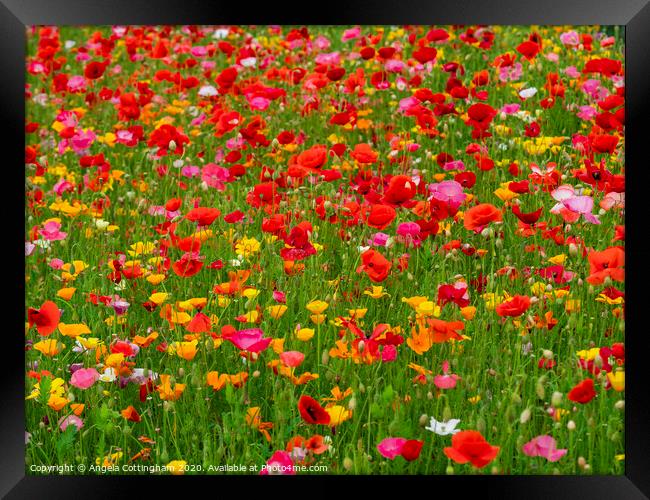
(443, 428)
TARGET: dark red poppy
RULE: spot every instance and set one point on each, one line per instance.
(312, 412)
(411, 449)
(527, 218)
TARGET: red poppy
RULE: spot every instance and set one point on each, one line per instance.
(380, 216)
(401, 189)
(411, 449)
(200, 323)
(46, 318)
(528, 49)
(480, 115)
(375, 265)
(363, 153)
(471, 446)
(476, 218)
(604, 143)
(314, 158)
(608, 263)
(203, 216)
(516, 306)
(311, 412)
(583, 392)
(187, 266)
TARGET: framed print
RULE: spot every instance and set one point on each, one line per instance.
(381, 245)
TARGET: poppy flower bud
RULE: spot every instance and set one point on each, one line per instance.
(547, 354)
(525, 416)
(556, 399)
(181, 372)
(172, 145)
(325, 357)
(429, 395)
(487, 233)
(498, 243)
(348, 463)
(362, 388)
(256, 373)
(446, 414)
(494, 470)
(571, 425)
(480, 425)
(423, 420)
(582, 462)
(620, 404)
(352, 404)
(449, 470)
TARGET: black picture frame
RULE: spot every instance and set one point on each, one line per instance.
(15, 15)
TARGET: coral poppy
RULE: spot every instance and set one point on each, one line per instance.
(471, 446)
(478, 217)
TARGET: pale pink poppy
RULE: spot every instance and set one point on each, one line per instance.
(543, 446)
(582, 205)
(65, 422)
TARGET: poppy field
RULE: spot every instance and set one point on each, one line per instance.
(325, 250)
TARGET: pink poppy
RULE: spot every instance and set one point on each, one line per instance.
(543, 446)
(84, 378)
(409, 233)
(391, 447)
(389, 353)
(215, 176)
(449, 192)
(279, 464)
(251, 340)
(51, 231)
(446, 380)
